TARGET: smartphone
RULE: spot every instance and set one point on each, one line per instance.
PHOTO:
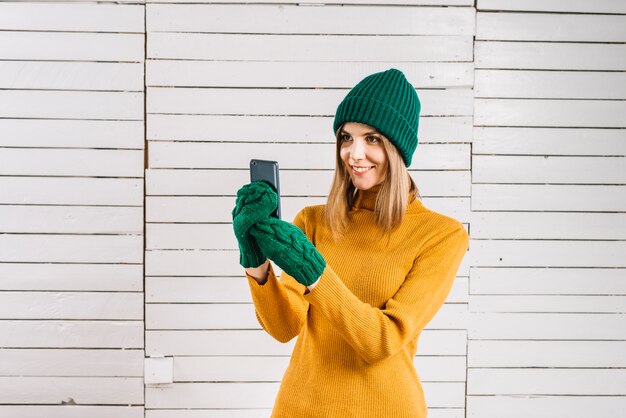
(267, 171)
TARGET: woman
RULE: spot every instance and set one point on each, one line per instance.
(362, 275)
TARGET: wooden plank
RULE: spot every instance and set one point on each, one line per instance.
(226, 128)
(310, 183)
(291, 156)
(315, 20)
(71, 411)
(102, 76)
(71, 305)
(71, 277)
(545, 141)
(541, 27)
(71, 219)
(81, 390)
(262, 395)
(208, 413)
(71, 191)
(561, 354)
(548, 169)
(557, 281)
(71, 248)
(548, 197)
(550, 56)
(546, 326)
(71, 104)
(74, 17)
(67, 362)
(510, 381)
(293, 48)
(558, 113)
(549, 84)
(298, 74)
(72, 133)
(72, 46)
(545, 253)
(84, 162)
(259, 343)
(576, 6)
(71, 334)
(324, 2)
(548, 225)
(549, 303)
(521, 406)
(231, 316)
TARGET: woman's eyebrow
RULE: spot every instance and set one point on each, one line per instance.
(366, 133)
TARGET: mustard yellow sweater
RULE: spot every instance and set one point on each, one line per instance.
(358, 328)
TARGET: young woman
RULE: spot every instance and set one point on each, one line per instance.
(362, 275)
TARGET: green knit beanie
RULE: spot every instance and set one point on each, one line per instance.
(388, 102)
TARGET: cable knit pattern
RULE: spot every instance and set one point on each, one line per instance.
(287, 246)
(358, 329)
(255, 201)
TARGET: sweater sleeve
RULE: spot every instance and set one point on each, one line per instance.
(279, 304)
(378, 333)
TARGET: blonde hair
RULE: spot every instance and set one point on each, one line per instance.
(391, 201)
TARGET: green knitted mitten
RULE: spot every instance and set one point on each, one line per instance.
(255, 201)
(286, 245)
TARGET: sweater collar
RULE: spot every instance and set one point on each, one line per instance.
(366, 199)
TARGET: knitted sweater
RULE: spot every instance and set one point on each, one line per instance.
(358, 329)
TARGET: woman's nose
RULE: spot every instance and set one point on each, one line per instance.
(357, 150)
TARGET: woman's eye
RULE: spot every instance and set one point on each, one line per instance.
(372, 139)
(345, 138)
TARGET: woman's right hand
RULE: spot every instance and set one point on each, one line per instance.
(255, 201)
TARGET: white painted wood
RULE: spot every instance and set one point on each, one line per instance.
(278, 74)
(71, 305)
(311, 183)
(71, 248)
(72, 133)
(552, 281)
(549, 56)
(549, 303)
(542, 113)
(315, 20)
(71, 191)
(82, 390)
(71, 277)
(291, 49)
(255, 128)
(538, 405)
(231, 316)
(578, 6)
(546, 141)
(550, 84)
(71, 104)
(208, 413)
(582, 354)
(547, 253)
(597, 198)
(323, 2)
(71, 219)
(546, 326)
(71, 75)
(233, 290)
(511, 381)
(72, 46)
(71, 334)
(71, 162)
(71, 411)
(75, 17)
(68, 362)
(541, 27)
(259, 343)
(289, 156)
(548, 169)
(548, 225)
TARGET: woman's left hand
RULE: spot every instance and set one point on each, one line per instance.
(289, 247)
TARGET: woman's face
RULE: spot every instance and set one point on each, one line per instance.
(363, 154)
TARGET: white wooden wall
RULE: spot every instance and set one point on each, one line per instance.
(521, 138)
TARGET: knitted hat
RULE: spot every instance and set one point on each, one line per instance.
(387, 102)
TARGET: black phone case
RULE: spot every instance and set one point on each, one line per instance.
(267, 171)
